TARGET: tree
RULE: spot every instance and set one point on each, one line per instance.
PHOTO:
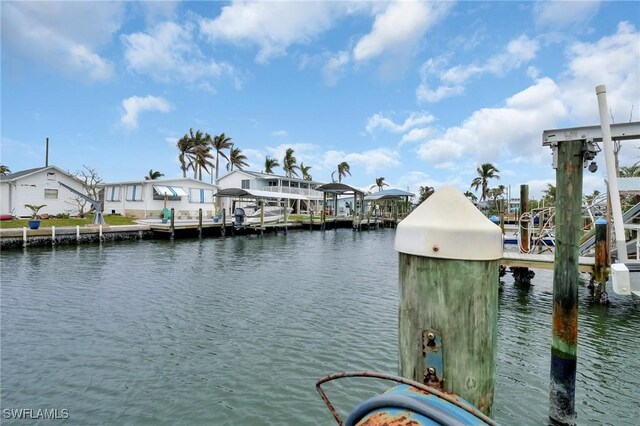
(425, 192)
(289, 163)
(630, 171)
(4, 170)
(471, 196)
(485, 172)
(270, 164)
(153, 175)
(495, 194)
(201, 159)
(237, 159)
(549, 195)
(219, 144)
(380, 183)
(305, 172)
(343, 170)
(184, 145)
(90, 181)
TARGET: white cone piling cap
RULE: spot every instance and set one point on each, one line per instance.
(448, 226)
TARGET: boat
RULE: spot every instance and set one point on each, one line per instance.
(409, 402)
(251, 215)
(6, 217)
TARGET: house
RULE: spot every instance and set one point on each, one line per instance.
(38, 186)
(147, 198)
(300, 194)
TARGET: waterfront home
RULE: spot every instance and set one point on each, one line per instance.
(301, 195)
(39, 186)
(147, 198)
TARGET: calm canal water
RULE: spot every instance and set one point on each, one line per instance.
(237, 330)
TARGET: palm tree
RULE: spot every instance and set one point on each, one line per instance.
(220, 143)
(270, 164)
(201, 159)
(4, 170)
(237, 159)
(153, 175)
(184, 145)
(380, 183)
(549, 195)
(289, 163)
(631, 171)
(425, 192)
(305, 172)
(486, 171)
(471, 196)
(343, 170)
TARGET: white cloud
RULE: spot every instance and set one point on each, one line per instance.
(451, 81)
(134, 105)
(563, 14)
(279, 133)
(416, 135)
(273, 26)
(372, 160)
(335, 67)
(400, 26)
(377, 121)
(59, 35)
(491, 132)
(168, 52)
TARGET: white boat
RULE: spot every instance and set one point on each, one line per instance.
(250, 215)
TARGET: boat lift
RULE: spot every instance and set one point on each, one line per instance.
(591, 137)
(98, 219)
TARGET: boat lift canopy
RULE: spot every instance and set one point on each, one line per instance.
(338, 189)
(257, 194)
(388, 194)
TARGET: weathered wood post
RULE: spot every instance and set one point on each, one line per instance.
(172, 226)
(261, 218)
(286, 215)
(310, 220)
(335, 211)
(564, 318)
(448, 273)
(323, 213)
(524, 223)
(223, 229)
(601, 261)
(199, 223)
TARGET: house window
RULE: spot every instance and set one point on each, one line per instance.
(273, 183)
(51, 193)
(113, 193)
(51, 176)
(134, 193)
(246, 184)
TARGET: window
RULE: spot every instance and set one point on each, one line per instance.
(113, 193)
(51, 193)
(134, 193)
(51, 176)
(246, 184)
(273, 183)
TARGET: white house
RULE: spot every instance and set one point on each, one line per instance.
(39, 186)
(301, 194)
(147, 198)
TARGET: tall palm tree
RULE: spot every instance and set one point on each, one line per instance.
(184, 145)
(485, 172)
(343, 170)
(4, 170)
(153, 175)
(219, 143)
(425, 192)
(289, 163)
(470, 195)
(305, 172)
(380, 183)
(202, 159)
(270, 164)
(237, 159)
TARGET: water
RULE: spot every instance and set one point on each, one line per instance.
(237, 330)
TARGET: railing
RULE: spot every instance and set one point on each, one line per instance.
(288, 190)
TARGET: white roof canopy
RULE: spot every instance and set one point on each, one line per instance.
(254, 193)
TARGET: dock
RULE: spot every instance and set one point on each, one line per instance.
(542, 261)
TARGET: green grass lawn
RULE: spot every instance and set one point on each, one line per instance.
(111, 220)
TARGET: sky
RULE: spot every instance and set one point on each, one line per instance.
(420, 93)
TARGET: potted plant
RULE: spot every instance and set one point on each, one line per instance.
(34, 223)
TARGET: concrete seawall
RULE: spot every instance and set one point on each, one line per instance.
(18, 238)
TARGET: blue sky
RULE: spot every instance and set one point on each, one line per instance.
(419, 93)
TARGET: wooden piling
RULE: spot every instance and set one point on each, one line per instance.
(223, 228)
(199, 223)
(524, 224)
(323, 218)
(172, 226)
(261, 218)
(565, 283)
(53, 235)
(448, 303)
(335, 212)
(601, 261)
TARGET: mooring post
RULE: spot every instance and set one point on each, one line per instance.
(324, 211)
(335, 211)
(199, 223)
(53, 235)
(524, 223)
(310, 220)
(223, 229)
(565, 283)
(261, 218)
(601, 261)
(448, 269)
(24, 236)
(286, 215)
(78, 233)
(172, 226)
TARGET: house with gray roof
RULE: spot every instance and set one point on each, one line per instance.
(38, 186)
